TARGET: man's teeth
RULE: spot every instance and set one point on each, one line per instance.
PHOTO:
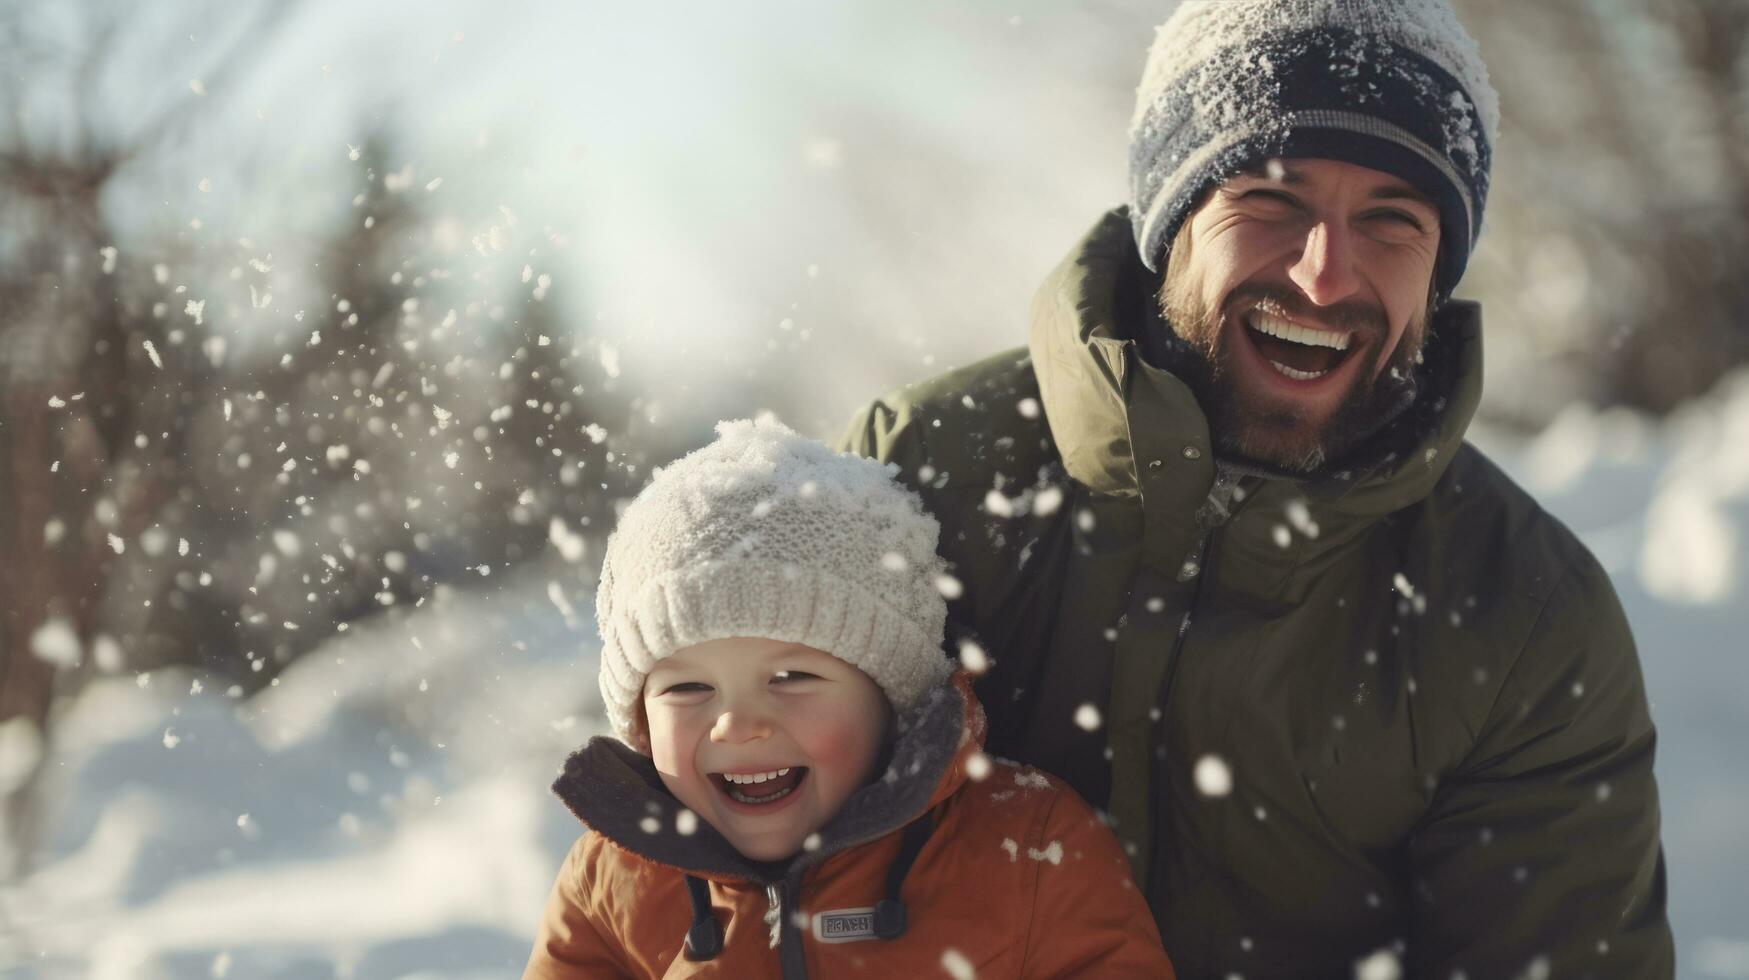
(758, 777)
(1277, 327)
(1295, 373)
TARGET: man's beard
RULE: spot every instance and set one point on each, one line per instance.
(1281, 435)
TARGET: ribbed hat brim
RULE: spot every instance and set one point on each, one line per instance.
(718, 600)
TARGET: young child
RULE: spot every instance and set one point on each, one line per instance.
(797, 788)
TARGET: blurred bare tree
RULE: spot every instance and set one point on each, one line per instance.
(224, 481)
(1622, 191)
(89, 444)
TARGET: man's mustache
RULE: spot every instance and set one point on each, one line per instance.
(1357, 317)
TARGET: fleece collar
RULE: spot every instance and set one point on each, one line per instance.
(616, 792)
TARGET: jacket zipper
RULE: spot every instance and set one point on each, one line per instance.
(1157, 737)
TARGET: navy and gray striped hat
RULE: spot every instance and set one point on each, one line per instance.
(1394, 85)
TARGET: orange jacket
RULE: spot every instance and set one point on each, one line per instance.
(1012, 876)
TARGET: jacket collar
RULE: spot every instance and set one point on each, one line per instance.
(1129, 429)
(616, 792)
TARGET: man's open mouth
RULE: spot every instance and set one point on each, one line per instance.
(761, 787)
(1297, 352)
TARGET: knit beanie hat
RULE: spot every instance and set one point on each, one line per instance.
(764, 533)
(1394, 85)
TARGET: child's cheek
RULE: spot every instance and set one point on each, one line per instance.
(667, 742)
(837, 741)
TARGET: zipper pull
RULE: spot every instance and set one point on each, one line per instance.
(774, 914)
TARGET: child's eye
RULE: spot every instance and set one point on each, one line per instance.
(686, 687)
(794, 675)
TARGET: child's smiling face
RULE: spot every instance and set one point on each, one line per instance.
(723, 712)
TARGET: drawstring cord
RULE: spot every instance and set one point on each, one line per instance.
(704, 938)
(889, 913)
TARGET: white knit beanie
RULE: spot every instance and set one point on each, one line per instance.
(764, 533)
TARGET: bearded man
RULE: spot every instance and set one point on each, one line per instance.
(1349, 696)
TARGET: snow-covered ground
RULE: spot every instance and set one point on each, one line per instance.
(382, 811)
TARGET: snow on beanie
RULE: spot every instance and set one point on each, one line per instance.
(1395, 85)
(765, 533)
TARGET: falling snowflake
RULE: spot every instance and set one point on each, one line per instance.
(949, 587)
(55, 642)
(1212, 776)
(1300, 516)
(978, 767)
(973, 658)
(1382, 965)
(1087, 718)
(998, 504)
(1047, 501)
(957, 966)
(568, 542)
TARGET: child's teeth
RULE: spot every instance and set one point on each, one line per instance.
(758, 777)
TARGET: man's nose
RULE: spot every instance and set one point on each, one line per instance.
(1325, 271)
(741, 723)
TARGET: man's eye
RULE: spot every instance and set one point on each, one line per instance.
(793, 675)
(1400, 217)
(1271, 196)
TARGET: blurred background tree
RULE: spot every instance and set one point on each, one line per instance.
(1620, 208)
(205, 460)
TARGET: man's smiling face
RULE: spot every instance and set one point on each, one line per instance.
(765, 740)
(1305, 284)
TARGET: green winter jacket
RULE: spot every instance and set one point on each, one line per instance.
(1396, 712)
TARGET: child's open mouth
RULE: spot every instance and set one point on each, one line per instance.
(759, 788)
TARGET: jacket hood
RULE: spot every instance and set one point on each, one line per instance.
(616, 792)
(1114, 416)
